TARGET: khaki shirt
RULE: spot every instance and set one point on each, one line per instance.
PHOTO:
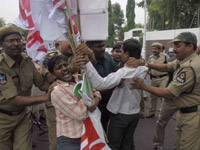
(16, 80)
(162, 59)
(183, 81)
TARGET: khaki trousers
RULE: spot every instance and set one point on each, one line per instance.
(15, 131)
(168, 108)
(156, 82)
(188, 130)
(51, 125)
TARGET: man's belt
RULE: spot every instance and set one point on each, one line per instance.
(188, 109)
(152, 76)
(10, 113)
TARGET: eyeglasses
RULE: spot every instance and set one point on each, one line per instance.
(13, 40)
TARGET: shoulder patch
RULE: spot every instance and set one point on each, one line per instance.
(181, 77)
(3, 79)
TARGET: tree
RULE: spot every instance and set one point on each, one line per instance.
(130, 14)
(2, 22)
(171, 14)
(111, 30)
(118, 20)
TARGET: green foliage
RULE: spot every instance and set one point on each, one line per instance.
(24, 33)
(130, 14)
(116, 20)
(2, 22)
(171, 14)
(111, 30)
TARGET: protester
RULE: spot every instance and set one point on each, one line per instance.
(70, 110)
(17, 76)
(74, 65)
(116, 52)
(104, 65)
(184, 90)
(158, 79)
(124, 104)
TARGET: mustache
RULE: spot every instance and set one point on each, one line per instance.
(17, 47)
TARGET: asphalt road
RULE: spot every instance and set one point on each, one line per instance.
(143, 135)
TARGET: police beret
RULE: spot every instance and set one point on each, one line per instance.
(187, 37)
(158, 45)
(9, 29)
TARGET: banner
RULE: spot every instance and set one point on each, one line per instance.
(47, 17)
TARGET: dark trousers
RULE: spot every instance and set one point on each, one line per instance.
(120, 131)
(65, 143)
(104, 118)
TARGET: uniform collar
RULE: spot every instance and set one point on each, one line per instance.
(11, 61)
(187, 60)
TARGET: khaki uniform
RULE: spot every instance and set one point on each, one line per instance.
(15, 123)
(167, 110)
(158, 79)
(186, 89)
(49, 109)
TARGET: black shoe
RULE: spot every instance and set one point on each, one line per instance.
(158, 148)
(146, 98)
(150, 116)
(142, 116)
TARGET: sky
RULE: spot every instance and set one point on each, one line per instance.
(9, 10)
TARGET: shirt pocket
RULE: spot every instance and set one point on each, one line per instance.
(26, 81)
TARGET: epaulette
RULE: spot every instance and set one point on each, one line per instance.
(150, 56)
(1, 57)
(25, 56)
(52, 53)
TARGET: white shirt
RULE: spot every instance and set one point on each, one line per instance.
(123, 100)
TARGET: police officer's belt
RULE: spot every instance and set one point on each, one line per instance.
(10, 113)
(188, 109)
(159, 76)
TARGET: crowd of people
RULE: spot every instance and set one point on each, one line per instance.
(118, 82)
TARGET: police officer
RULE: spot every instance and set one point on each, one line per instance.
(17, 76)
(158, 79)
(184, 90)
(74, 64)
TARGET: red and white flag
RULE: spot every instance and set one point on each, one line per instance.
(29, 19)
(47, 17)
(92, 134)
(36, 47)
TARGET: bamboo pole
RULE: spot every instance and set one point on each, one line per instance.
(78, 14)
(71, 24)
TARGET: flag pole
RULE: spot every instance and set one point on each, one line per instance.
(78, 14)
(69, 35)
(71, 24)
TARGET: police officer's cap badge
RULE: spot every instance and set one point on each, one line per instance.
(181, 77)
(3, 79)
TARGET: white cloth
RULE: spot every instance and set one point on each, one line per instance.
(123, 100)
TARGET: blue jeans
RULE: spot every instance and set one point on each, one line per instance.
(65, 143)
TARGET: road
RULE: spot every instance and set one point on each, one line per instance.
(143, 135)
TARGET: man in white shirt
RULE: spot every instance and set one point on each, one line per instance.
(124, 104)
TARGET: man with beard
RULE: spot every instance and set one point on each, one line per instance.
(158, 79)
(17, 76)
(104, 65)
